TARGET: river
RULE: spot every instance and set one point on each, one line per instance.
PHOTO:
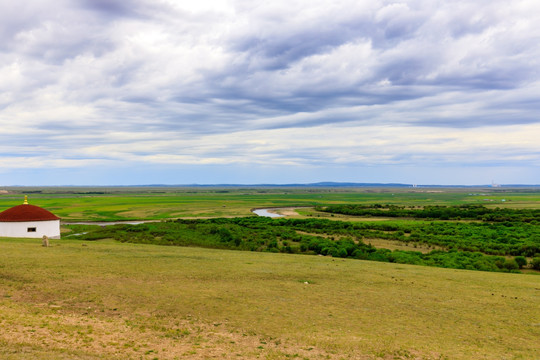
(267, 213)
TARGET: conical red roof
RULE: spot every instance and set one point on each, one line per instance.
(27, 212)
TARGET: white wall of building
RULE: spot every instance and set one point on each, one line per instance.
(51, 228)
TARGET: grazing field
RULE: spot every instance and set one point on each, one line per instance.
(108, 300)
(157, 203)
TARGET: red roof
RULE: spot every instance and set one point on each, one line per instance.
(27, 212)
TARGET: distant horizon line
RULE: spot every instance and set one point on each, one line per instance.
(315, 184)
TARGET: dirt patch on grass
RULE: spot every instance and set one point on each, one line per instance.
(327, 236)
(284, 211)
(54, 330)
(382, 243)
(399, 245)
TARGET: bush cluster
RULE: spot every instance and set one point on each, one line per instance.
(342, 239)
(458, 212)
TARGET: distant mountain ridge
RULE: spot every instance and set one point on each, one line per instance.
(318, 184)
(347, 184)
(322, 184)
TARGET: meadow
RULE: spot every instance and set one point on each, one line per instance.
(101, 298)
(157, 203)
(109, 300)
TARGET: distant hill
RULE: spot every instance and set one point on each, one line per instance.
(332, 184)
(323, 184)
(318, 184)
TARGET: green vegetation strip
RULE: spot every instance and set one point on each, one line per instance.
(469, 212)
(466, 243)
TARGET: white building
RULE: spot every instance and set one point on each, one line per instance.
(29, 221)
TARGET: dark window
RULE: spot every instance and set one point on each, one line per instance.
(33, 229)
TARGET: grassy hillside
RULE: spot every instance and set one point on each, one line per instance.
(94, 300)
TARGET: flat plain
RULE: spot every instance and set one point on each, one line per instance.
(157, 203)
(109, 300)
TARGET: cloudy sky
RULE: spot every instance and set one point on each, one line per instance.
(116, 92)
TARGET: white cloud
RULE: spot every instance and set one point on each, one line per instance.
(305, 83)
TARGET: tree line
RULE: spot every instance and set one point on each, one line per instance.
(438, 212)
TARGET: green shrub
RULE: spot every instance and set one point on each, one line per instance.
(521, 261)
(536, 263)
(511, 265)
(340, 252)
(378, 256)
(359, 254)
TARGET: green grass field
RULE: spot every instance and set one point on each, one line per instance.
(106, 300)
(125, 203)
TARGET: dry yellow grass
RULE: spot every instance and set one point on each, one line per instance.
(105, 300)
(398, 245)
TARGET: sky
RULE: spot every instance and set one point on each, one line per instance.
(116, 92)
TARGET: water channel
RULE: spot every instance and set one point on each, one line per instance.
(267, 213)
